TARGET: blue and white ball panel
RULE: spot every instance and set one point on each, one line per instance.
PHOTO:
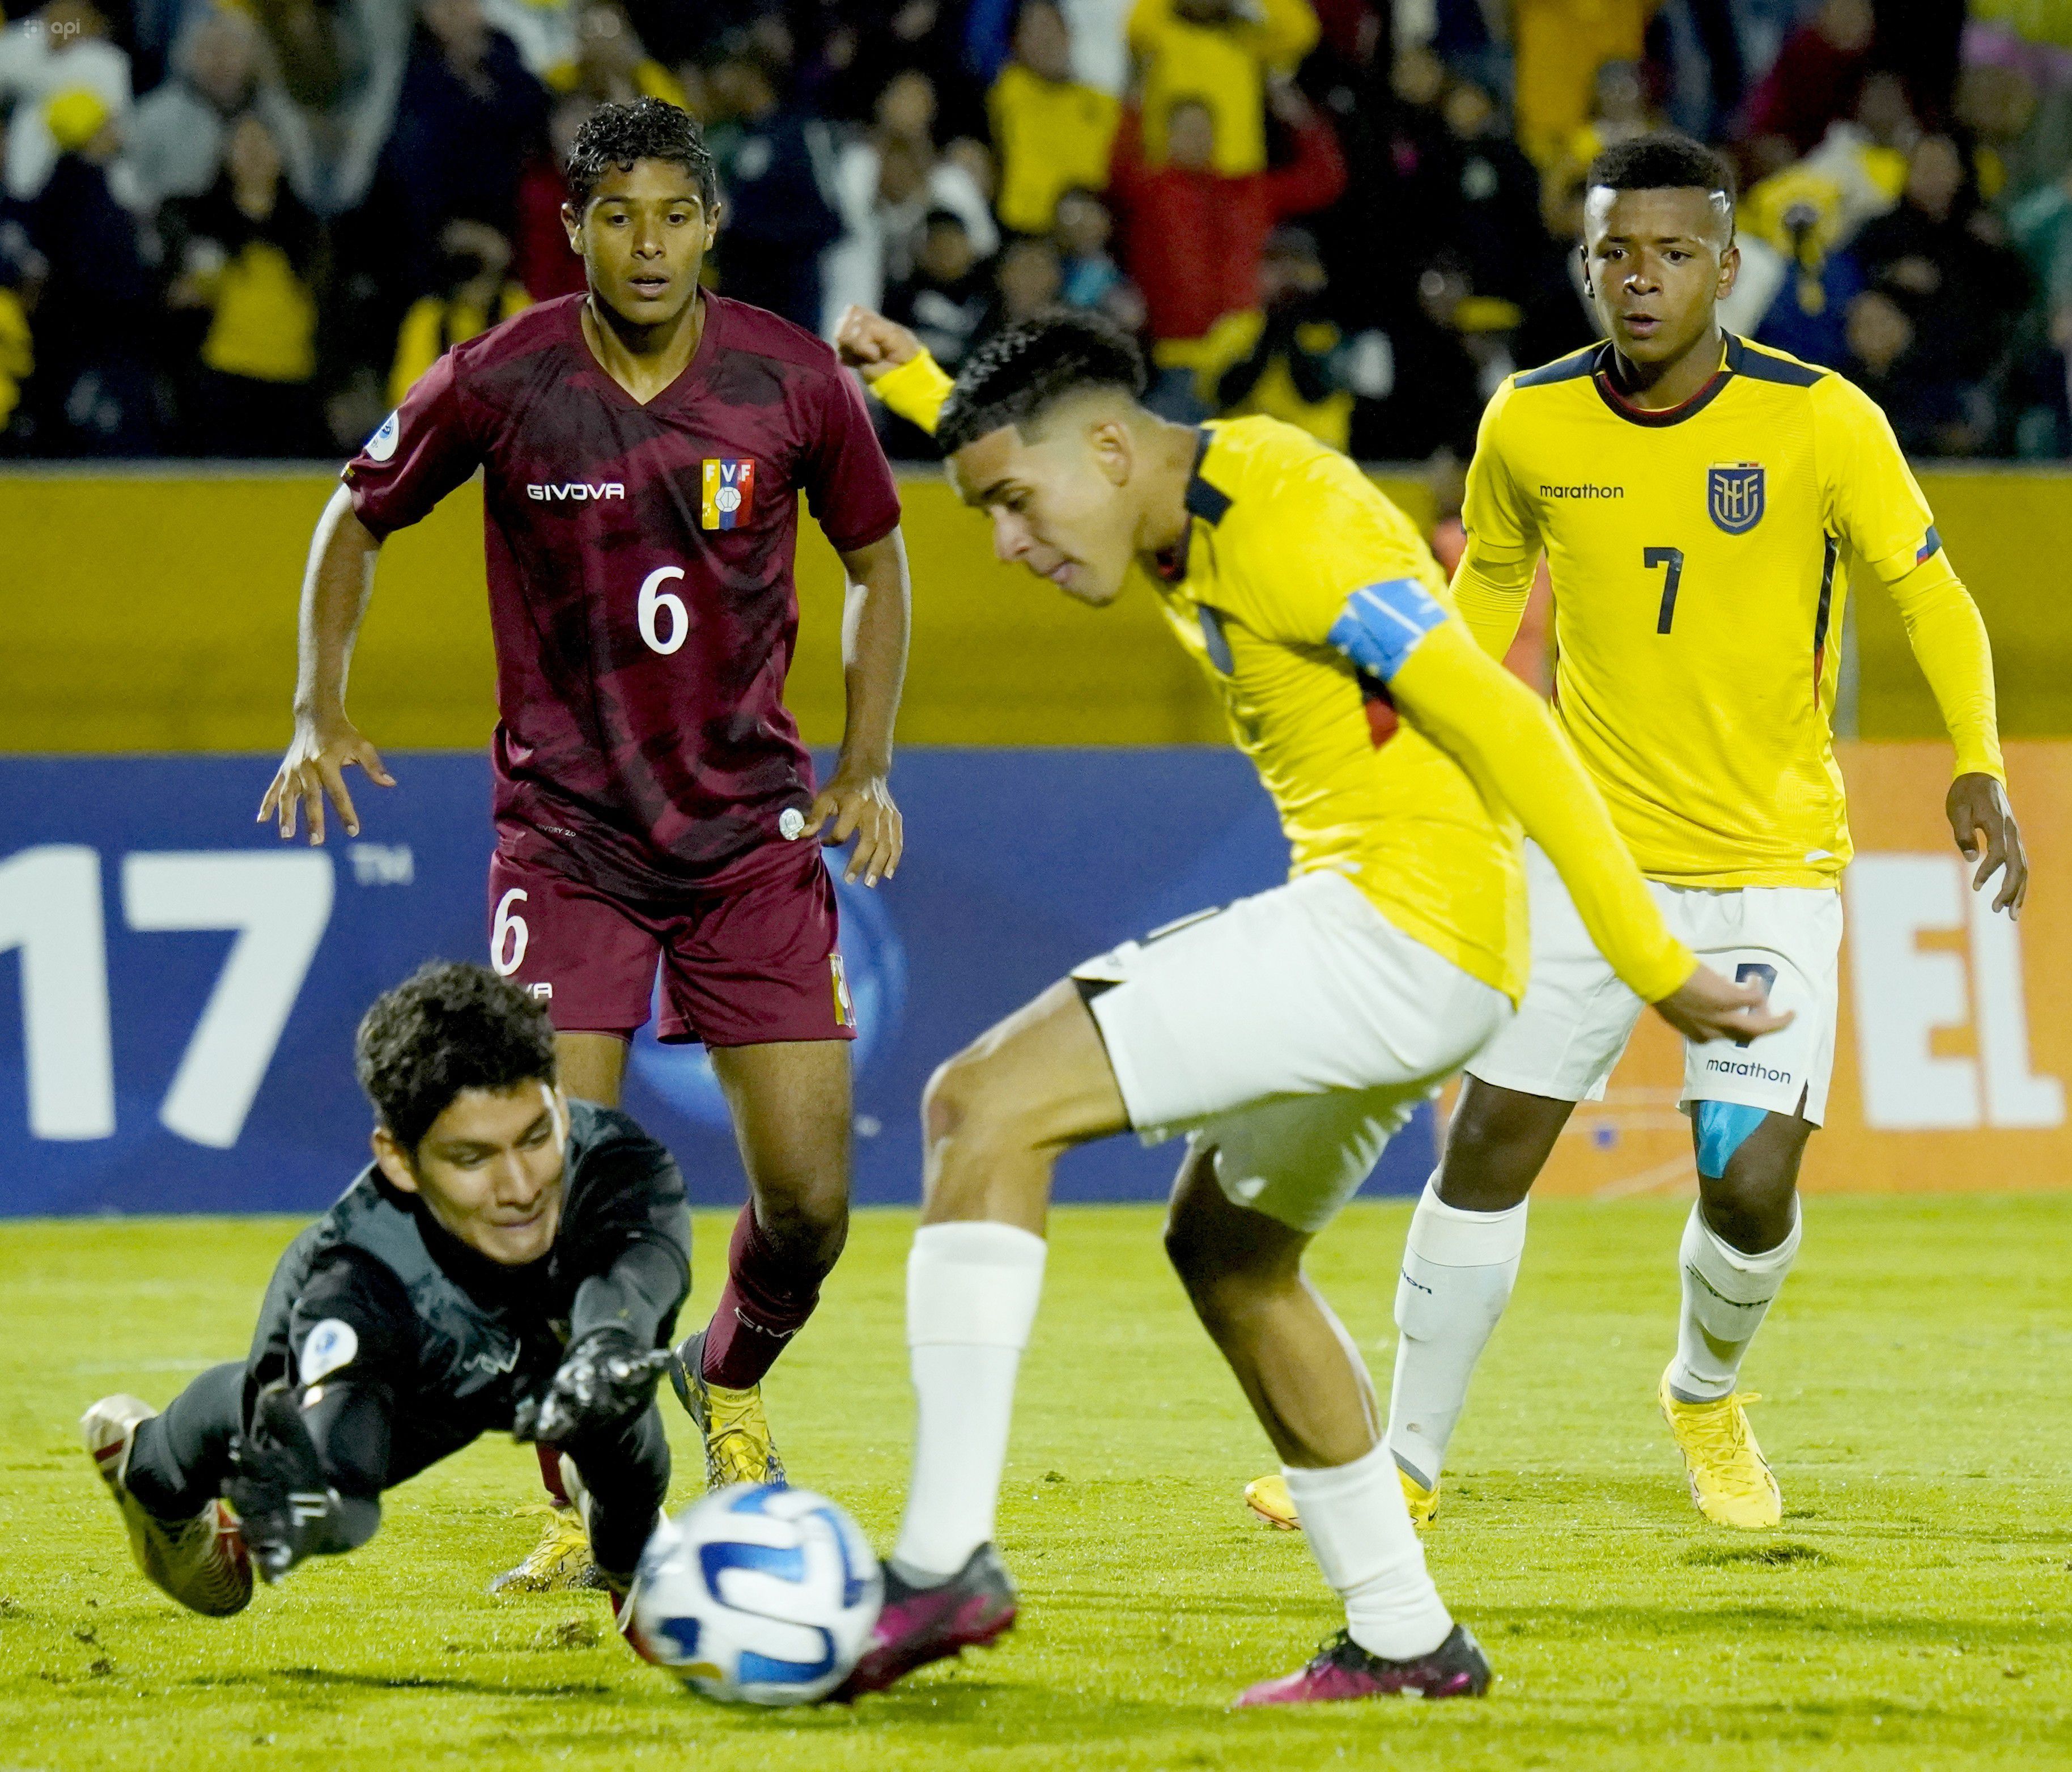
(1383, 624)
(758, 1594)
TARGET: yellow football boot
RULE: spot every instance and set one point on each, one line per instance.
(739, 1448)
(1267, 1497)
(560, 1563)
(1730, 1478)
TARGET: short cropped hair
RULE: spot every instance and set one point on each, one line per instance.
(1664, 161)
(1026, 368)
(449, 1026)
(648, 128)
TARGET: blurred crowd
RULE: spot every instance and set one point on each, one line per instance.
(243, 227)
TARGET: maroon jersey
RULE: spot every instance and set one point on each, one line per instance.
(640, 589)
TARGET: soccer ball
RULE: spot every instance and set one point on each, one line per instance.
(757, 1595)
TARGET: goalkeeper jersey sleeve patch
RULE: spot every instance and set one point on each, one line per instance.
(1383, 624)
(333, 1343)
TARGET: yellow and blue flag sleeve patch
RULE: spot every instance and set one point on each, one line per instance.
(1382, 624)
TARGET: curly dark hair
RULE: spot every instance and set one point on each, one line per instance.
(447, 1027)
(1011, 377)
(648, 128)
(1664, 161)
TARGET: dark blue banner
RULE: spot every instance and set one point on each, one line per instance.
(180, 988)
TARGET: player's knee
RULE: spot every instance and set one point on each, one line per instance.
(1497, 1143)
(964, 1101)
(1223, 1282)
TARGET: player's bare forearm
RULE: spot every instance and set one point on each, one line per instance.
(335, 589)
(858, 800)
(336, 586)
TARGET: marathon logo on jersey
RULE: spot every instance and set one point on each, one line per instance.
(1733, 495)
(845, 1006)
(729, 491)
(577, 491)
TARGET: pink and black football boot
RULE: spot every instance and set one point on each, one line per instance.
(973, 1610)
(1457, 1668)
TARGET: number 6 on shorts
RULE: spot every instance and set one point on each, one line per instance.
(508, 930)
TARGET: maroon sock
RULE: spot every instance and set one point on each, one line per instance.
(768, 1297)
(550, 1472)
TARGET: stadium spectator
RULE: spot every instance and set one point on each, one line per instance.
(342, 62)
(473, 294)
(1098, 31)
(467, 120)
(546, 34)
(613, 65)
(1027, 278)
(1932, 411)
(1813, 81)
(976, 159)
(1493, 225)
(1217, 53)
(773, 157)
(174, 142)
(1944, 260)
(1192, 237)
(542, 260)
(61, 48)
(248, 257)
(22, 269)
(1052, 132)
(945, 298)
(1286, 367)
(882, 39)
(1089, 277)
(885, 182)
(1561, 46)
(94, 317)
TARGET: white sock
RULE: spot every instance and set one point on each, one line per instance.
(1356, 1523)
(972, 1289)
(1459, 1269)
(1726, 1294)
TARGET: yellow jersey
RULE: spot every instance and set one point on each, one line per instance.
(1700, 558)
(1314, 607)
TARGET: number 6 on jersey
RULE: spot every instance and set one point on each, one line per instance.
(655, 602)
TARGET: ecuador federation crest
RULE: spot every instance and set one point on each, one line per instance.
(730, 492)
(1734, 495)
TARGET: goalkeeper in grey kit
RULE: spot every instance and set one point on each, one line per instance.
(510, 1261)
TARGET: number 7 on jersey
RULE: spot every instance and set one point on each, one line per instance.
(1673, 559)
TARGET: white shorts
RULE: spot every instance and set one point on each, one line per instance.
(1294, 1031)
(1577, 1017)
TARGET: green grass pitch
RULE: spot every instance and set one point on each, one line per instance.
(1912, 1612)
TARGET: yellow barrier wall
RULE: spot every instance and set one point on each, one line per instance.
(157, 612)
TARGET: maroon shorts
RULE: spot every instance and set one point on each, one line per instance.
(755, 961)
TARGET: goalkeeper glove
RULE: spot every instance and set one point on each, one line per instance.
(286, 1508)
(603, 1379)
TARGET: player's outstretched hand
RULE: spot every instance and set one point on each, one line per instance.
(314, 767)
(1978, 807)
(286, 1507)
(860, 805)
(871, 344)
(1707, 1007)
(603, 1379)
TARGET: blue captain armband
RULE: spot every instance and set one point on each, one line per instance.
(1383, 624)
